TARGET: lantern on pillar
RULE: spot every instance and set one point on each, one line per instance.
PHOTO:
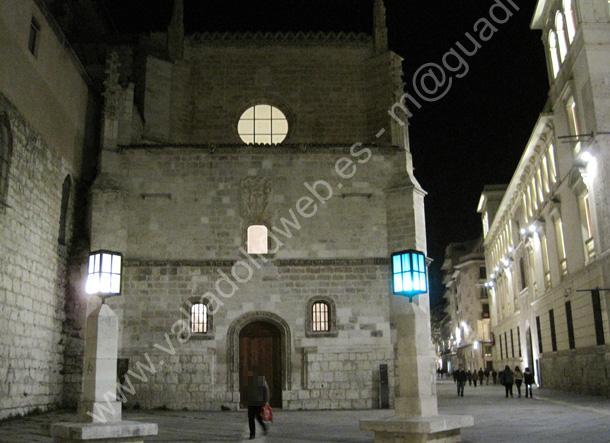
(409, 273)
(104, 273)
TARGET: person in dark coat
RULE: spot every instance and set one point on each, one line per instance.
(461, 377)
(257, 396)
(518, 379)
(486, 373)
(508, 380)
(494, 376)
(469, 377)
(528, 378)
(481, 375)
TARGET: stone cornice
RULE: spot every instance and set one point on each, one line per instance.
(227, 263)
(291, 38)
(236, 148)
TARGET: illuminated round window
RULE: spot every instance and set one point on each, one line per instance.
(263, 124)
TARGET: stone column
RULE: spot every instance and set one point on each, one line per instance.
(415, 416)
(99, 412)
(98, 402)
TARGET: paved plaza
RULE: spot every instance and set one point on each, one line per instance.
(550, 417)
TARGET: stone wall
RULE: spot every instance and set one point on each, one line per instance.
(332, 88)
(32, 273)
(196, 204)
(339, 371)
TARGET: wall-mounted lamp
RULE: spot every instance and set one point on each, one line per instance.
(104, 273)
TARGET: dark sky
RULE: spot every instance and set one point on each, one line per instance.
(473, 136)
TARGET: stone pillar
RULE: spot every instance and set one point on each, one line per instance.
(415, 416)
(99, 412)
(98, 402)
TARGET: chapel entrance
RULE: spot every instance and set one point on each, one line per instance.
(260, 351)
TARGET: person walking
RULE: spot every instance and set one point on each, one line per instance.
(486, 373)
(494, 376)
(460, 376)
(518, 379)
(257, 396)
(528, 378)
(475, 377)
(481, 376)
(508, 380)
(469, 376)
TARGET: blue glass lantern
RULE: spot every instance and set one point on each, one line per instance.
(409, 273)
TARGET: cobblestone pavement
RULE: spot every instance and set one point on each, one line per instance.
(550, 417)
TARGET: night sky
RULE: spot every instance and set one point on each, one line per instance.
(473, 136)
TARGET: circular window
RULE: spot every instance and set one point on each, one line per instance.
(263, 124)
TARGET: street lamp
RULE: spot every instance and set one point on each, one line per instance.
(104, 273)
(409, 273)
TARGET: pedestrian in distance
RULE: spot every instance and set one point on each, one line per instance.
(528, 378)
(454, 375)
(486, 373)
(481, 376)
(494, 376)
(475, 377)
(518, 379)
(257, 396)
(460, 376)
(508, 380)
(469, 376)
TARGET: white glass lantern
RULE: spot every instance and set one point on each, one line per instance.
(104, 273)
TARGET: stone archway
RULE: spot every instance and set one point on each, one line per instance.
(233, 343)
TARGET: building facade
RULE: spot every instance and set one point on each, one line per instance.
(47, 144)
(255, 185)
(547, 244)
(467, 342)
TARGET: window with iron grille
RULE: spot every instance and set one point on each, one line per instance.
(199, 318)
(570, 323)
(553, 335)
(539, 331)
(320, 317)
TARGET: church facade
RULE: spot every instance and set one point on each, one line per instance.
(256, 187)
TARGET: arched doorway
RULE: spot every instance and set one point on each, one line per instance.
(260, 353)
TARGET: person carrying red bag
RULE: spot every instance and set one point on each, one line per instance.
(257, 399)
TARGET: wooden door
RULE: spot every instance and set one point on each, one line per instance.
(260, 354)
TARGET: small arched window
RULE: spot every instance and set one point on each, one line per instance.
(321, 317)
(561, 36)
(6, 152)
(570, 15)
(258, 239)
(63, 215)
(553, 53)
(199, 318)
